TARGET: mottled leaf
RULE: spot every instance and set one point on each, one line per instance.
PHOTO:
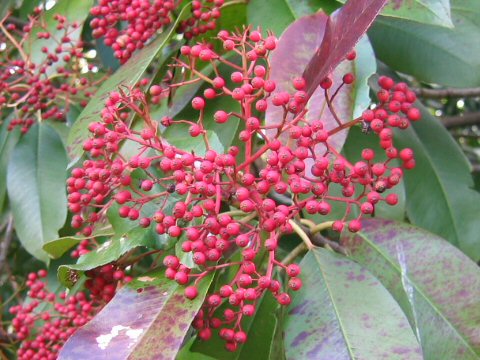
(436, 285)
(295, 49)
(147, 319)
(36, 177)
(439, 189)
(431, 53)
(343, 312)
(342, 32)
(127, 75)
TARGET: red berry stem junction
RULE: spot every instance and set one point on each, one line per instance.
(217, 202)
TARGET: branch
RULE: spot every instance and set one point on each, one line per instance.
(448, 92)
(461, 120)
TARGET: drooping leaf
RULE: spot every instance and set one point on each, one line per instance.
(36, 177)
(436, 285)
(147, 319)
(439, 189)
(409, 47)
(295, 49)
(74, 11)
(127, 75)
(343, 312)
(342, 32)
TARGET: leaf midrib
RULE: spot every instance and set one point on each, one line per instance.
(337, 313)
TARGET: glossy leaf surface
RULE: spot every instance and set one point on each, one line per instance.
(343, 312)
(436, 285)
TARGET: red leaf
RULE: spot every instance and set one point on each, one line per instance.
(294, 50)
(343, 30)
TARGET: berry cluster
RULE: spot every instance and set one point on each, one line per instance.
(42, 329)
(127, 25)
(47, 85)
(102, 282)
(143, 18)
(217, 203)
(204, 16)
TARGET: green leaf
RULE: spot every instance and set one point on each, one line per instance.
(409, 47)
(111, 250)
(8, 140)
(56, 248)
(147, 319)
(439, 190)
(274, 15)
(434, 283)
(435, 12)
(196, 145)
(74, 11)
(343, 312)
(36, 188)
(306, 7)
(127, 75)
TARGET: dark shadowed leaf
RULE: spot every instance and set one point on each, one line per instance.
(343, 30)
(436, 285)
(343, 312)
(439, 189)
(36, 177)
(409, 47)
(295, 49)
(127, 75)
(147, 319)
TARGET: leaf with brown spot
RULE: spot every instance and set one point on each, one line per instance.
(145, 320)
(343, 312)
(437, 286)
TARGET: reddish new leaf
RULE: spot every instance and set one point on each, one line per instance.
(147, 319)
(343, 30)
(295, 49)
